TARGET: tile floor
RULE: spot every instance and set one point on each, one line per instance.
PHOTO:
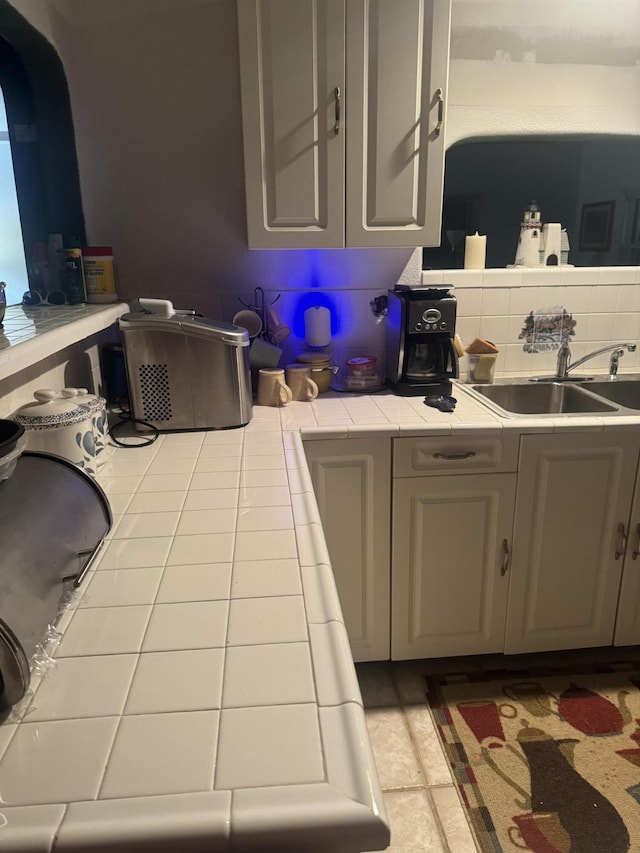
(423, 805)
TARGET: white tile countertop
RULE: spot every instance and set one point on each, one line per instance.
(29, 334)
(203, 695)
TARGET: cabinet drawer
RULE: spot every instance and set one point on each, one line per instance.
(446, 454)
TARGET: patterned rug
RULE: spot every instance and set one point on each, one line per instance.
(545, 760)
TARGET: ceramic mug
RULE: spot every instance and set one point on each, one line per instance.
(272, 389)
(299, 379)
(264, 354)
(248, 320)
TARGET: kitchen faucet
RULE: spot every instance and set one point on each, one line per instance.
(564, 365)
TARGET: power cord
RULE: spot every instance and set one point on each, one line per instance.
(126, 418)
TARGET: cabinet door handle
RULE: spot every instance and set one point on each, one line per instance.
(505, 558)
(636, 550)
(337, 95)
(454, 456)
(622, 541)
(439, 97)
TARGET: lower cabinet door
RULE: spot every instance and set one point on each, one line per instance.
(450, 564)
(351, 480)
(628, 619)
(569, 539)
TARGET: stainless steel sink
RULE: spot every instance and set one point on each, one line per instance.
(548, 398)
(624, 392)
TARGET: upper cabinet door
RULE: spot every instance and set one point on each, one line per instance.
(397, 73)
(293, 80)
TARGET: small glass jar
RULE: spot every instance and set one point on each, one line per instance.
(362, 373)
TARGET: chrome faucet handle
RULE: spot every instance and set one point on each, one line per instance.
(614, 361)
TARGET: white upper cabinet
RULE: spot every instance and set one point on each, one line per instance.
(343, 105)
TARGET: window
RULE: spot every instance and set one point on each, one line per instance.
(38, 163)
(13, 269)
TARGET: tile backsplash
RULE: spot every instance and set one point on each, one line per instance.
(494, 304)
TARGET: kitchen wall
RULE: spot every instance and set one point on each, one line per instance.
(156, 103)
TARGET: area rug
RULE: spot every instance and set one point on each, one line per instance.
(545, 760)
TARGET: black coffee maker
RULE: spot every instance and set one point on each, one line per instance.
(421, 326)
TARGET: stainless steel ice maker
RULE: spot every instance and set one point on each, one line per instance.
(186, 372)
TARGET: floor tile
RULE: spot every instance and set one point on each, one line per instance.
(453, 820)
(376, 685)
(194, 677)
(392, 748)
(162, 754)
(428, 745)
(269, 746)
(414, 828)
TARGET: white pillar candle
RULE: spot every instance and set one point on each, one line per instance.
(475, 250)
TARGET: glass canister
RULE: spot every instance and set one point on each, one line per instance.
(362, 373)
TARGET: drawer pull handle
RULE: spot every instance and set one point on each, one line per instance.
(622, 541)
(636, 550)
(454, 456)
(505, 558)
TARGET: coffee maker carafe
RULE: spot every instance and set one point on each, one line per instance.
(421, 325)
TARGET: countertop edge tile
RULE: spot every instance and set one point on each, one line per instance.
(336, 681)
(318, 817)
(191, 821)
(320, 594)
(31, 828)
(344, 733)
(40, 346)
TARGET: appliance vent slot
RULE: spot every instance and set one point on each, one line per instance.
(155, 392)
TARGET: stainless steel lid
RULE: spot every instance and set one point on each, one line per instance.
(179, 324)
(53, 518)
